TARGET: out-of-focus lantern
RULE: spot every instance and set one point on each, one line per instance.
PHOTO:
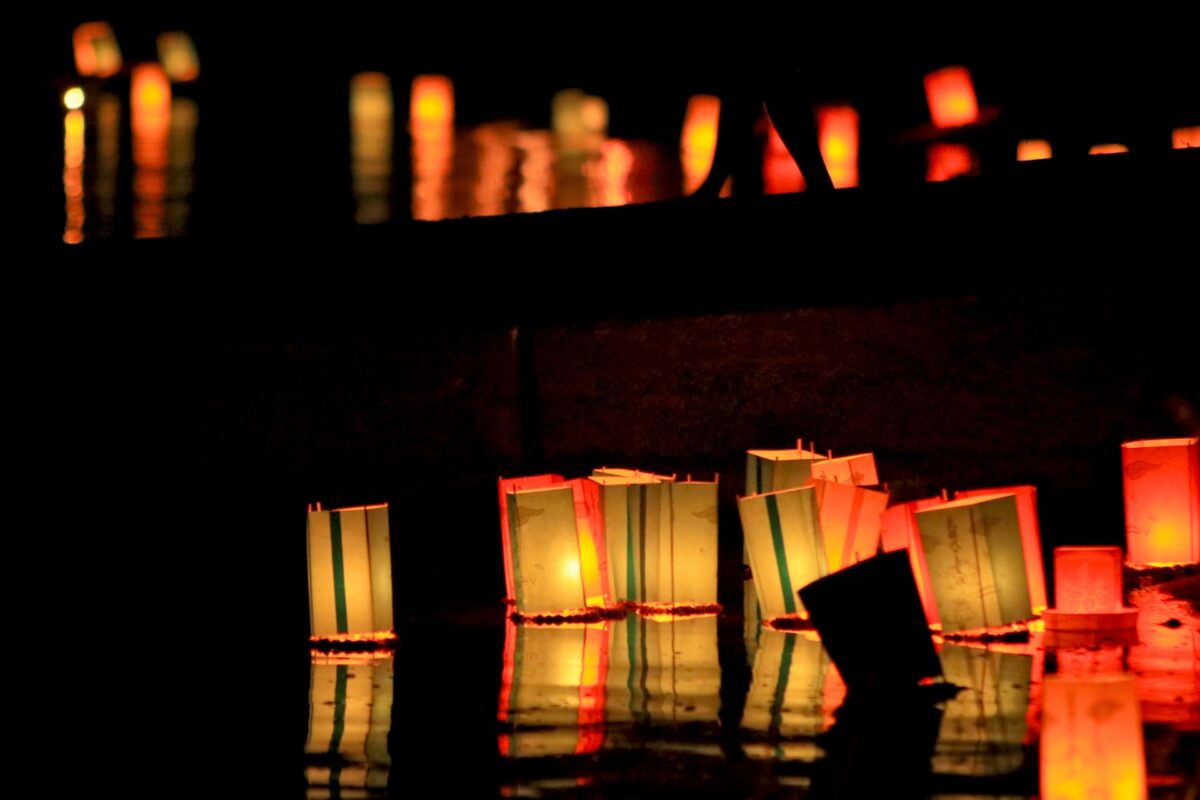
(976, 562)
(786, 703)
(951, 96)
(1033, 150)
(579, 120)
(837, 135)
(663, 670)
(948, 160)
(350, 575)
(775, 470)
(984, 726)
(900, 532)
(1112, 148)
(556, 562)
(781, 175)
(698, 142)
(371, 112)
(1031, 537)
(74, 148)
(1091, 745)
(350, 715)
(850, 521)
(150, 122)
(786, 549)
(858, 469)
(552, 689)
(1087, 590)
(1162, 501)
(97, 54)
(1183, 138)
(177, 54)
(431, 107)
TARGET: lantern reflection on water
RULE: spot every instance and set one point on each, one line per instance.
(1162, 501)
(552, 689)
(785, 546)
(984, 727)
(349, 718)
(663, 671)
(371, 112)
(948, 160)
(97, 54)
(350, 574)
(73, 155)
(793, 691)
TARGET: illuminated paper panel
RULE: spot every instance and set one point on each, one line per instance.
(632, 520)
(1091, 745)
(850, 521)
(1087, 580)
(783, 538)
(858, 470)
(1162, 500)
(693, 545)
(1031, 537)
(349, 572)
(547, 573)
(776, 470)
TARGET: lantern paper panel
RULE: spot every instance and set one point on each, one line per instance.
(350, 716)
(858, 470)
(507, 486)
(552, 689)
(350, 574)
(787, 702)
(1031, 537)
(985, 725)
(663, 671)
(776, 470)
(850, 521)
(1088, 590)
(951, 95)
(976, 563)
(900, 532)
(97, 53)
(1162, 501)
(1091, 744)
(783, 538)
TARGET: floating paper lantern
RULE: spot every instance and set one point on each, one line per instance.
(552, 689)
(850, 518)
(775, 470)
(579, 120)
(948, 160)
(781, 174)
(1162, 501)
(177, 54)
(951, 96)
(787, 704)
(97, 54)
(350, 574)
(1031, 537)
(1183, 138)
(1091, 744)
(976, 562)
(984, 726)
(900, 532)
(858, 469)
(698, 142)
(349, 718)
(837, 136)
(1033, 150)
(1112, 148)
(663, 671)
(785, 546)
(431, 107)
(556, 562)
(1087, 590)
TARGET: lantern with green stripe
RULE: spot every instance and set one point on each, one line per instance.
(663, 670)
(775, 470)
(349, 717)
(793, 689)
(350, 574)
(785, 545)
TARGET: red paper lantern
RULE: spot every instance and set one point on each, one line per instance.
(1162, 501)
(1087, 590)
(951, 96)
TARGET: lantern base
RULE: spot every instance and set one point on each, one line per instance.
(1069, 640)
(353, 642)
(570, 616)
(790, 622)
(673, 610)
(1012, 632)
(1097, 621)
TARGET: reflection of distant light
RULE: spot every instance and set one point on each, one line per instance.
(1107, 149)
(177, 54)
(837, 131)
(73, 98)
(1033, 150)
(150, 107)
(951, 96)
(698, 143)
(1182, 138)
(371, 112)
(431, 106)
(496, 158)
(96, 52)
(537, 171)
(615, 165)
(181, 161)
(73, 152)
(946, 161)
(107, 161)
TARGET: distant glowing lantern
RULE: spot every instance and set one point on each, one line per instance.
(787, 704)
(775, 470)
(1108, 149)
(1087, 590)
(350, 575)
(73, 98)
(951, 96)
(556, 562)
(837, 134)
(371, 112)
(698, 143)
(579, 120)
(150, 122)
(850, 521)
(177, 54)
(663, 671)
(947, 160)
(1033, 150)
(984, 726)
(1162, 501)
(976, 562)
(1031, 537)
(349, 718)
(97, 54)
(786, 549)
(1091, 745)
(552, 689)
(74, 145)
(1183, 138)
(900, 532)
(858, 470)
(150, 99)
(431, 107)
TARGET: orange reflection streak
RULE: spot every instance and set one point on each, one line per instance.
(592, 680)
(1162, 500)
(107, 160)
(431, 124)
(73, 153)
(181, 160)
(371, 112)
(96, 52)
(951, 96)
(496, 158)
(1107, 149)
(150, 103)
(177, 54)
(781, 175)
(610, 174)
(431, 107)
(1183, 138)
(536, 171)
(837, 132)
(946, 161)
(1033, 150)
(698, 142)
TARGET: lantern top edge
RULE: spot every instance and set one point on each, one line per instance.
(1183, 441)
(975, 499)
(372, 507)
(815, 481)
(1086, 548)
(790, 454)
(808, 487)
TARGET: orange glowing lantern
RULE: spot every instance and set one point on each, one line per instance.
(1087, 590)
(431, 107)
(698, 143)
(951, 96)
(785, 546)
(850, 521)
(150, 100)
(1183, 138)
(663, 670)
(786, 703)
(556, 562)
(1162, 501)
(150, 107)
(97, 54)
(857, 470)
(1031, 537)
(984, 726)
(781, 174)
(976, 562)
(177, 54)
(1108, 149)
(1091, 744)
(948, 160)
(579, 120)
(1033, 150)
(837, 134)
(350, 575)
(349, 718)
(900, 532)
(552, 689)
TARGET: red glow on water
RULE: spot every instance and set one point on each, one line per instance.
(946, 161)
(951, 96)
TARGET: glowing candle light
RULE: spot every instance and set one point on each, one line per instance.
(1183, 138)
(698, 142)
(431, 107)
(371, 112)
(73, 98)
(177, 54)
(150, 103)
(1162, 501)
(951, 96)
(350, 716)
(947, 160)
(1087, 590)
(350, 575)
(837, 134)
(97, 54)
(785, 546)
(1033, 150)
(1108, 149)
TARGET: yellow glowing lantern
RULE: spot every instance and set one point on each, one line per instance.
(349, 718)
(97, 54)
(837, 134)
(552, 689)
(1091, 745)
(976, 562)
(1087, 590)
(150, 122)
(74, 146)
(949, 160)
(698, 143)
(951, 96)
(663, 670)
(857, 470)
(1183, 138)
(786, 704)
(1162, 501)
(431, 107)
(984, 726)
(850, 521)
(1033, 150)
(900, 532)
(1108, 149)
(785, 545)
(350, 574)
(556, 561)
(1031, 537)
(177, 54)
(775, 470)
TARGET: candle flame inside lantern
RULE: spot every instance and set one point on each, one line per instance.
(73, 98)
(698, 143)
(1033, 150)
(951, 96)
(96, 52)
(431, 107)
